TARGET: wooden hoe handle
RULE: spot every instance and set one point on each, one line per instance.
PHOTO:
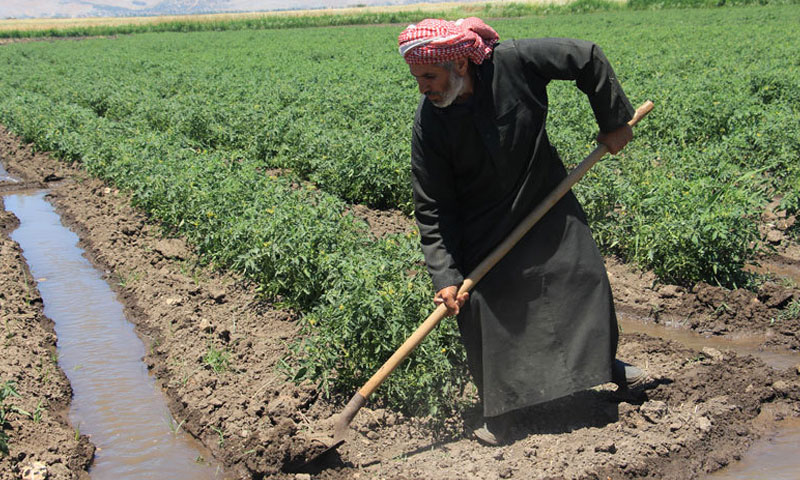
(360, 398)
(549, 201)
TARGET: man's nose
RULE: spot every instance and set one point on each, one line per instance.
(423, 87)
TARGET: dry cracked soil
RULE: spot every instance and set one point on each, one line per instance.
(702, 410)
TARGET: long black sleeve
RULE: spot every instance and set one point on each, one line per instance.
(584, 62)
(436, 212)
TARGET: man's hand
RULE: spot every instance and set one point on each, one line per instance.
(616, 140)
(447, 295)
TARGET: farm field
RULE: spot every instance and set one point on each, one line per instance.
(708, 408)
(267, 151)
(60, 24)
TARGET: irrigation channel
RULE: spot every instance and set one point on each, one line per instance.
(115, 400)
(123, 409)
(774, 457)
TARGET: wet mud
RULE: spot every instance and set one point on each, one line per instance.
(768, 313)
(216, 347)
(773, 457)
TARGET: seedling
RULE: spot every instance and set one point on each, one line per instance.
(126, 280)
(174, 427)
(791, 312)
(36, 415)
(8, 390)
(221, 440)
(217, 360)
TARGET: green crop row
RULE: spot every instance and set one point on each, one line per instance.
(361, 296)
(192, 125)
(684, 199)
(267, 97)
(338, 113)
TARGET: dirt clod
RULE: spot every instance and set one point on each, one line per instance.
(171, 248)
(713, 354)
(653, 411)
(35, 471)
(217, 295)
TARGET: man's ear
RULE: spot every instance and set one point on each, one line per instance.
(462, 66)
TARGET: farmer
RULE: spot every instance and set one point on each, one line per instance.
(541, 323)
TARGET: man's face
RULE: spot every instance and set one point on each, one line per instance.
(439, 84)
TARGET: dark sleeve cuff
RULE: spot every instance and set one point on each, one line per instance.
(445, 279)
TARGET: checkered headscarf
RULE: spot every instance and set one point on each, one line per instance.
(439, 41)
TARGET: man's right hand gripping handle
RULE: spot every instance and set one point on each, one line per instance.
(448, 296)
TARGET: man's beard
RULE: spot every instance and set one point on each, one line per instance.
(455, 85)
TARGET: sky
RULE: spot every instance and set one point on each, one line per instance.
(101, 8)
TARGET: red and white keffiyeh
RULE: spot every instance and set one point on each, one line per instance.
(439, 41)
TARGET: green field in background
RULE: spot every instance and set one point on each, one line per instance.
(195, 124)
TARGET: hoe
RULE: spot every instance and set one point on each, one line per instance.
(342, 426)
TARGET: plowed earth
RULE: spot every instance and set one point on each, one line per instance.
(702, 411)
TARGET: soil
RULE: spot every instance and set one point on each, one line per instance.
(766, 314)
(36, 423)
(700, 412)
(384, 222)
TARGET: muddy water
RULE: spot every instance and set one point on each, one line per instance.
(772, 458)
(743, 345)
(775, 456)
(115, 401)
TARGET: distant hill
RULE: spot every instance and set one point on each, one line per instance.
(129, 8)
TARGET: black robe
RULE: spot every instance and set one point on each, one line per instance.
(541, 324)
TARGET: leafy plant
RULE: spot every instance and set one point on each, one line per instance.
(791, 312)
(7, 390)
(373, 306)
(217, 360)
